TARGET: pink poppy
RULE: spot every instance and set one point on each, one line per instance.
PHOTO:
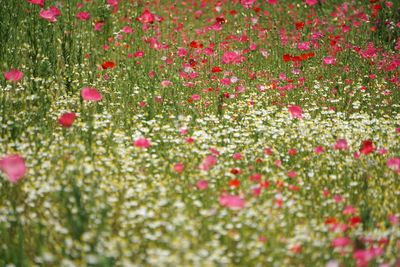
(329, 60)
(349, 210)
(67, 119)
(311, 2)
(127, 29)
(13, 75)
(340, 242)
(13, 166)
(202, 184)
(247, 3)
(112, 2)
(90, 94)
(146, 17)
(166, 83)
(195, 97)
(296, 112)
(50, 14)
(83, 16)
(341, 144)
(232, 57)
(367, 147)
(319, 149)
(237, 156)
(142, 143)
(304, 46)
(232, 201)
(37, 2)
(99, 25)
(208, 163)
(394, 164)
(179, 167)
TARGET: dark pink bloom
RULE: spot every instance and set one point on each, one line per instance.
(247, 3)
(99, 25)
(349, 210)
(340, 242)
(91, 94)
(337, 198)
(37, 2)
(166, 83)
(83, 16)
(394, 164)
(112, 2)
(232, 201)
(202, 184)
(50, 14)
(369, 52)
(341, 144)
(393, 219)
(364, 256)
(329, 60)
(367, 147)
(237, 156)
(296, 112)
(146, 17)
(13, 166)
(142, 143)
(232, 57)
(319, 149)
(208, 163)
(311, 2)
(304, 46)
(127, 29)
(179, 167)
(67, 119)
(195, 97)
(13, 75)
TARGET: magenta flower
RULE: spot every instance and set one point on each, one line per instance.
(142, 143)
(13, 166)
(90, 94)
(311, 2)
(394, 164)
(340, 242)
(208, 163)
(232, 57)
(37, 2)
(232, 201)
(247, 3)
(50, 14)
(202, 184)
(146, 17)
(341, 144)
(67, 119)
(329, 60)
(13, 75)
(83, 16)
(296, 112)
(179, 167)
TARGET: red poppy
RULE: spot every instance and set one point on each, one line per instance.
(108, 65)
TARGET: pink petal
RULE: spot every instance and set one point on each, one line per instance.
(232, 201)
(90, 94)
(13, 166)
(142, 143)
(296, 112)
(202, 184)
(13, 75)
(67, 119)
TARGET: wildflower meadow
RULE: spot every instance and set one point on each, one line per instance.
(200, 133)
